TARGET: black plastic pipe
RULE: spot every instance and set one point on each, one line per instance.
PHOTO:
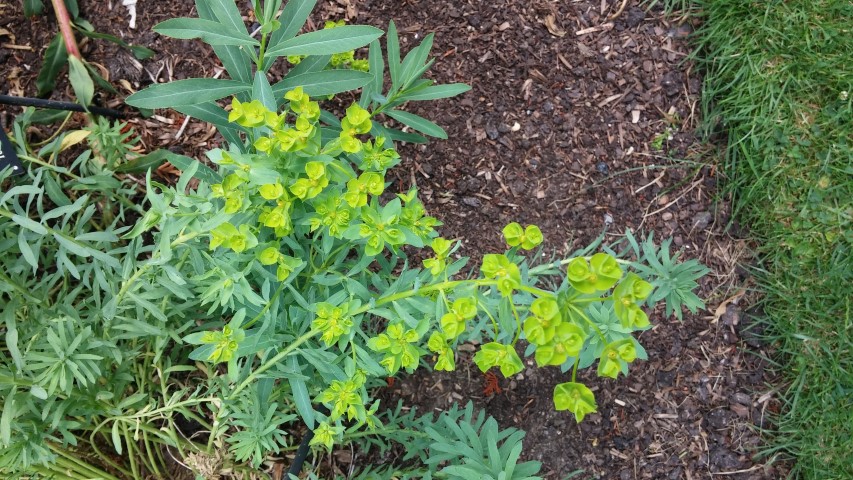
(57, 105)
(304, 448)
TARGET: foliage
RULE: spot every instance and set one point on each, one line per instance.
(778, 83)
(275, 290)
(81, 74)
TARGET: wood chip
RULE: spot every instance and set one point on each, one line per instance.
(503, 26)
(610, 99)
(554, 29)
(597, 28)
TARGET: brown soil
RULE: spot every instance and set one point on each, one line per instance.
(568, 101)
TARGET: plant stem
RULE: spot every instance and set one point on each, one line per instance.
(427, 289)
(272, 362)
(64, 21)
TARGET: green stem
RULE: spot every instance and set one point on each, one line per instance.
(590, 322)
(491, 317)
(266, 307)
(131, 454)
(52, 474)
(517, 323)
(429, 288)
(536, 291)
(272, 362)
(261, 52)
(90, 471)
(21, 290)
(575, 369)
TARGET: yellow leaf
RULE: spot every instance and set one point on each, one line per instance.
(73, 138)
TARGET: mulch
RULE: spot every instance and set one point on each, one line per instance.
(581, 117)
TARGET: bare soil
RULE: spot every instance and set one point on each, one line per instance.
(581, 117)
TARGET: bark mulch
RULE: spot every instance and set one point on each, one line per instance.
(581, 116)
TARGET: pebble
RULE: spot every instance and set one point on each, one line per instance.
(602, 168)
(667, 216)
(702, 220)
(472, 201)
(547, 107)
(502, 128)
(474, 21)
(492, 132)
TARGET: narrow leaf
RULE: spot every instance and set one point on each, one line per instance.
(292, 19)
(185, 92)
(29, 224)
(55, 57)
(438, 91)
(203, 173)
(393, 47)
(418, 123)
(327, 42)
(301, 396)
(213, 33)
(81, 82)
(327, 82)
(262, 91)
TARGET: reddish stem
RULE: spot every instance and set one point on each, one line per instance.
(64, 21)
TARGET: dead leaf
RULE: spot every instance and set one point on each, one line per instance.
(721, 309)
(553, 28)
(73, 138)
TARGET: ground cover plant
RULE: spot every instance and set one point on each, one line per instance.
(778, 83)
(212, 323)
(783, 110)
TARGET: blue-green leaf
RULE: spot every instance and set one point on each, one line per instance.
(208, 31)
(438, 91)
(418, 123)
(327, 42)
(327, 82)
(300, 395)
(262, 91)
(185, 92)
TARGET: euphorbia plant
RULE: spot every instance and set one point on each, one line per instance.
(281, 284)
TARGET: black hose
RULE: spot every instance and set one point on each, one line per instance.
(57, 105)
(304, 448)
(301, 455)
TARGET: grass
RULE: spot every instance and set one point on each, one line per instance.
(779, 83)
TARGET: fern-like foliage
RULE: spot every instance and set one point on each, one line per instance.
(460, 443)
(674, 280)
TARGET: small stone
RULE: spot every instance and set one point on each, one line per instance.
(503, 128)
(492, 132)
(474, 21)
(702, 220)
(741, 398)
(472, 201)
(602, 168)
(547, 107)
(608, 219)
(667, 216)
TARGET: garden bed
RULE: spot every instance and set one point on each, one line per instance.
(580, 119)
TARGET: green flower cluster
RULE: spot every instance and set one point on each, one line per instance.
(556, 340)
(332, 321)
(399, 347)
(295, 179)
